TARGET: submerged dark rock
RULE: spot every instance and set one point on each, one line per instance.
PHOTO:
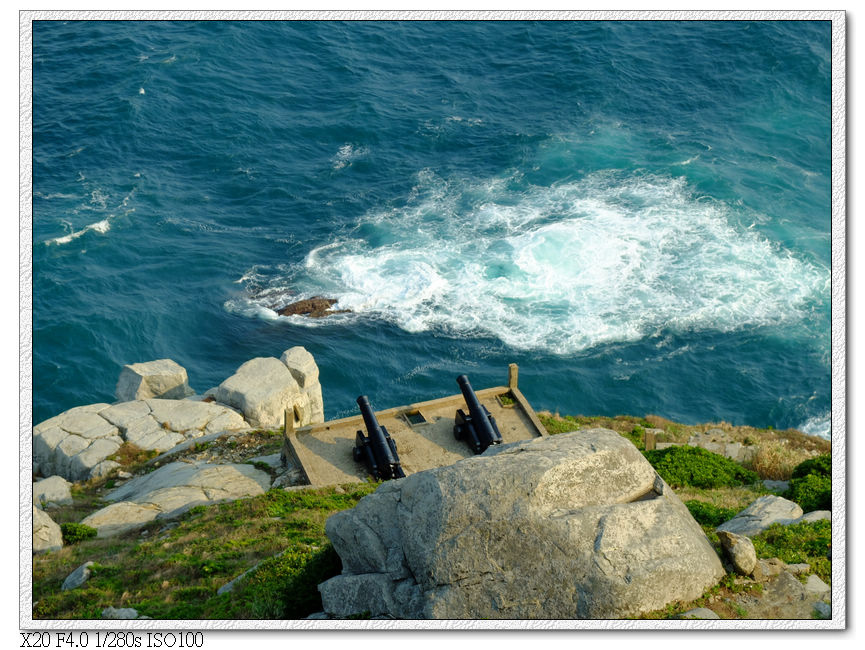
(316, 307)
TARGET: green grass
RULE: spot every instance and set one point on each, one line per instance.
(175, 573)
(696, 467)
(805, 542)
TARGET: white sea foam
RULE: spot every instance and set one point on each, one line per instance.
(98, 203)
(100, 227)
(820, 425)
(609, 258)
(346, 155)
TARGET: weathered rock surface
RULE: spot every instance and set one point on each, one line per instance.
(172, 490)
(162, 378)
(76, 443)
(72, 443)
(783, 597)
(572, 526)
(119, 613)
(263, 388)
(814, 515)
(77, 577)
(761, 514)
(699, 613)
(316, 307)
(54, 489)
(46, 534)
(302, 366)
(740, 550)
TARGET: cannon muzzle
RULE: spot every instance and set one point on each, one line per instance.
(377, 449)
(478, 428)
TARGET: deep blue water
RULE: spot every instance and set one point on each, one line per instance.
(637, 213)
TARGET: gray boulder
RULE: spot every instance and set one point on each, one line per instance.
(740, 550)
(46, 534)
(703, 613)
(77, 443)
(74, 442)
(575, 525)
(173, 489)
(162, 378)
(119, 613)
(77, 577)
(303, 368)
(761, 514)
(262, 389)
(54, 489)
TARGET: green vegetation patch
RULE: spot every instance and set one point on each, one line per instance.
(804, 542)
(811, 484)
(708, 515)
(696, 467)
(74, 533)
(175, 572)
(820, 466)
(811, 492)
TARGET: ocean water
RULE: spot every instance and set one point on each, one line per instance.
(637, 213)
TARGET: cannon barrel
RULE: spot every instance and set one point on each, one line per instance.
(377, 448)
(481, 426)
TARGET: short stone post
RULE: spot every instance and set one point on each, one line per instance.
(513, 375)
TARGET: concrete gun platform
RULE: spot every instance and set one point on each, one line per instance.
(423, 433)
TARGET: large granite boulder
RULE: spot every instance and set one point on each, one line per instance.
(76, 443)
(47, 535)
(173, 489)
(162, 378)
(576, 525)
(263, 388)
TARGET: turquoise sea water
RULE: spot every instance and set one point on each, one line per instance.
(637, 213)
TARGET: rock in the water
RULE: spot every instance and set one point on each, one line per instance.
(761, 514)
(316, 307)
(740, 550)
(46, 534)
(54, 489)
(173, 489)
(262, 389)
(162, 378)
(77, 577)
(569, 526)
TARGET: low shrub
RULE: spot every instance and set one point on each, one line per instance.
(811, 484)
(708, 515)
(74, 533)
(692, 466)
(821, 466)
(811, 492)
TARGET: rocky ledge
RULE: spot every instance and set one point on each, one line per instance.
(79, 443)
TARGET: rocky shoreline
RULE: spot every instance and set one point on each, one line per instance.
(200, 450)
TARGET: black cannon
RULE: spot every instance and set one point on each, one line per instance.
(377, 449)
(478, 428)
